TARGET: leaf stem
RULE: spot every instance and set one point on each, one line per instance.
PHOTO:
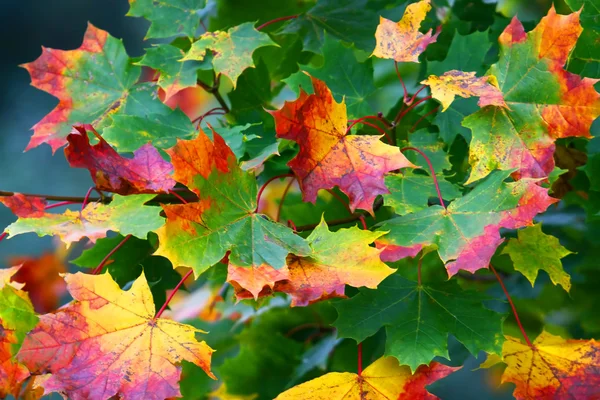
(184, 201)
(60, 204)
(86, 198)
(214, 90)
(264, 186)
(283, 195)
(401, 81)
(512, 305)
(338, 198)
(100, 266)
(435, 181)
(401, 114)
(3, 235)
(72, 199)
(175, 289)
(275, 21)
(412, 129)
(360, 369)
(419, 264)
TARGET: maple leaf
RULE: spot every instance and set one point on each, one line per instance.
(168, 17)
(467, 232)
(146, 172)
(95, 220)
(552, 368)
(17, 317)
(464, 84)
(330, 157)
(232, 50)
(255, 279)
(383, 380)
(41, 279)
(410, 192)
(90, 83)
(24, 206)
(534, 250)
(174, 74)
(544, 101)
(418, 319)
(402, 41)
(337, 259)
(134, 354)
(198, 235)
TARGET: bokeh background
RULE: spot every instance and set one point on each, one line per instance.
(25, 26)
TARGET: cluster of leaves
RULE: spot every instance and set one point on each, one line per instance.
(381, 259)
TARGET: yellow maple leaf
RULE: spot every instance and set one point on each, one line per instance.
(108, 342)
(385, 379)
(552, 368)
(402, 41)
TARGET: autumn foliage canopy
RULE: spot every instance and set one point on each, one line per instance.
(323, 200)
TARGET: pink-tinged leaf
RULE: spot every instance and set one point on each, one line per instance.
(146, 172)
(25, 206)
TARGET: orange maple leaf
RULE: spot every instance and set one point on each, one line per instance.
(108, 343)
(25, 206)
(385, 379)
(330, 157)
(402, 41)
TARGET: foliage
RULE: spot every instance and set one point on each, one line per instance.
(322, 209)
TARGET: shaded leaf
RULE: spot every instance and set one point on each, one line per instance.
(168, 17)
(418, 319)
(135, 355)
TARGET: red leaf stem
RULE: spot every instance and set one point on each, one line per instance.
(283, 195)
(263, 187)
(512, 305)
(359, 359)
(100, 266)
(401, 114)
(164, 306)
(435, 181)
(275, 21)
(412, 129)
(184, 201)
(402, 82)
(60, 204)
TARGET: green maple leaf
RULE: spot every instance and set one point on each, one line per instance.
(345, 76)
(466, 53)
(91, 82)
(418, 319)
(199, 234)
(410, 192)
(545, 102)
(533, 250)
(349, 20)
(125, 214)
(130, 132)
(175, 75)
(467, 232)
(168, 17)
(586, 56)
(232, 49)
